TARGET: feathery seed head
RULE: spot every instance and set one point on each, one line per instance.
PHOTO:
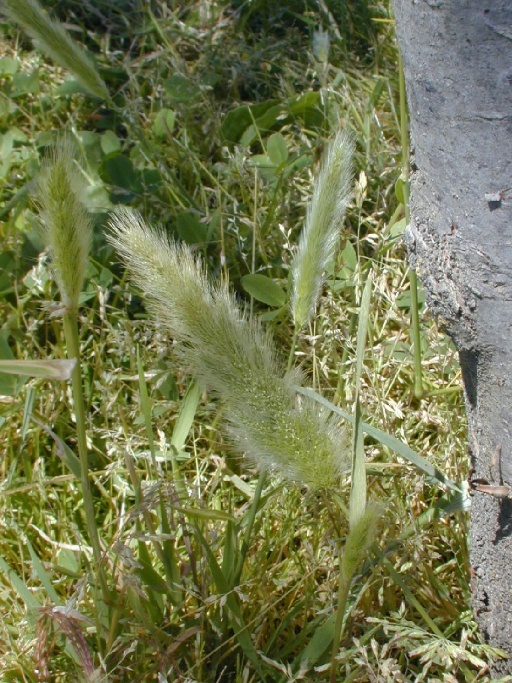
(66, 224)
(56, 41)
(233, 357)
(320, 235)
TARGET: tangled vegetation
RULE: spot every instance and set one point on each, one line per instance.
(137, 541)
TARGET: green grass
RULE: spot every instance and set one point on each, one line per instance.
(215, 129)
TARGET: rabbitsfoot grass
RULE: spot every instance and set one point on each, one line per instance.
(321, 234)
(67, 230)
(53, 38)
(233, 357)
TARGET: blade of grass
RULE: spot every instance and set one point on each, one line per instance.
(182, 427)
(73, 351)
(42, 575)
(145, 405)
(412, 600)
(246, 543)
(413, 280)
(237, 622)
(358, 488)
(168, 560)
(45, 369)
(357, 505)
(63, 450)
(31, 602)
(399, 447)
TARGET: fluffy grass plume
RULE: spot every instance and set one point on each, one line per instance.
(66, 224)
(233, 357)
(320, 236)
(53, 39)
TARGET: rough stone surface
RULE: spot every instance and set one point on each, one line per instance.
(458, 66)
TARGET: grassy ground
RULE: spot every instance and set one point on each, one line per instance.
(218, 118)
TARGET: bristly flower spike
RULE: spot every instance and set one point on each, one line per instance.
(320, 235)
(53, 38)
(67, 227)
(233, 357)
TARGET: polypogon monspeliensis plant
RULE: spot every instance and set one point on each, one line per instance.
(66, 225)
(52, 38)
(320, 237)
(232, 355)
(67, 230)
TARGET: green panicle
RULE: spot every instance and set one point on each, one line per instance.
(233, 357)
(53, 39)
(320, 235)
(67, 227)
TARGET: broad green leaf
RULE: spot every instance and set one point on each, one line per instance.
(238, 120)
(110, 142)
(18, 135)
(151, 178)
(190, 229)
(263, 162)
(349, 257)
(8, 66)
(377, 92)
(89, 138)
(120, 171)
(149, 575)
(308, 107)
(265, 166)
(362, 328)
(28, 410)
(24, 83)
(163, 124)
(180, 434)
(358, 488)
(404, 300)
(8, 268)
(70, 86)
(301, 103)
(398, 228)
(66, 559)
(268, 316)
(264, 289)
(277, 149)
(179, 88)
(401, 189)
(263, 124)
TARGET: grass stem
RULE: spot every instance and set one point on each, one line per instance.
(293, 346)
(73, 351)
(344, 583)
(413, 280)
(250, 525)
